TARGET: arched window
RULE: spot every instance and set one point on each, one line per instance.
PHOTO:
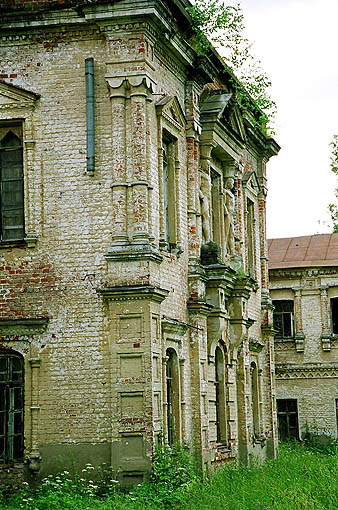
(255, 399)
(11, 188)
(11, 408)
(172, 382)
(221, 426)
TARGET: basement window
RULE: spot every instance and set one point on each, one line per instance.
(11, 408)
(334, 315)
(283, 318)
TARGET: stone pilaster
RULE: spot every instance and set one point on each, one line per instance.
(130, 99)
(34, 456)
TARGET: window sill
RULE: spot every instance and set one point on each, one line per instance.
(287, 339)
(29, 241)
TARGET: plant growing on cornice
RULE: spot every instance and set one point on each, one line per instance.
(333, 208)
(216, 24)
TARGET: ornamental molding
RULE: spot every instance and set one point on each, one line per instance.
(303, 272)
(81, 32)
(12, 97)
(134, 293)
(284, 346)
(131, 79)
(307, 371)
(173, 329)
(20, 327)
(169, 109)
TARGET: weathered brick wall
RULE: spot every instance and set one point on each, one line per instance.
(308, 372)
(95, 376)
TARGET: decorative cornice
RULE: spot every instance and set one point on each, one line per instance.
(129, 252)
(306, 371)
(19, 327)
(301, 272)
(173, 328)
(199, 307)
(12, 97)
(134, 293)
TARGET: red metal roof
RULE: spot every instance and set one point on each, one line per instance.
(316, 250)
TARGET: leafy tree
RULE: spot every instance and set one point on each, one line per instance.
(333, 208)
(215, 23)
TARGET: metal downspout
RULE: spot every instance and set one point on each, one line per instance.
(89, 70)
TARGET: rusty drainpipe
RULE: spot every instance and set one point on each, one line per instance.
(89, 70)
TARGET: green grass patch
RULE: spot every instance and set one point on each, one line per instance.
(301, 478)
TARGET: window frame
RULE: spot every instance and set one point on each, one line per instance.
(220, 397)
(169, 148)
(9, 412)
(172, 396)
(170, 130)
(17, 107)
(334, 323)
(16, 129)
(282, 313)
(287, 415)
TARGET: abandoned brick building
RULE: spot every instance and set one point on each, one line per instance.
(134, 276)
(304, 289)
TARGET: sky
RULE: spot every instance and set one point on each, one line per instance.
(297, 42)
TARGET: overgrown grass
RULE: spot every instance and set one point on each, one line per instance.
(302, 478)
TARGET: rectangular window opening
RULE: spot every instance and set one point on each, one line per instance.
(287, 416)
(169, 190)
(334, 315)
(283, 321)
(11, 183)
(250, 236)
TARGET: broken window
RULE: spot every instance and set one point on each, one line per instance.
(172, 383)
(334, 315)
(283, 319)
(287, 416)
(11, 184)
(11, 408)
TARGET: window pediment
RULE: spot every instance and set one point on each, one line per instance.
(234, 118)
(170, 109)
(16, 97)
(250, 180)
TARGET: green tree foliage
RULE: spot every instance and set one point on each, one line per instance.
(215, 23)
(333, 208)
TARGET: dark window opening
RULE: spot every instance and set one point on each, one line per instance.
(11, 187)
(287, 416)
(250, 236)
(166, 190)
(221, 428)
(215, 208)
(172, 384)
(255, 399)
(334, 315)
(11, 409)
(169, 191)
(283, 319)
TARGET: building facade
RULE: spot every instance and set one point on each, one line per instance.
(134, 277)
(304, 290)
